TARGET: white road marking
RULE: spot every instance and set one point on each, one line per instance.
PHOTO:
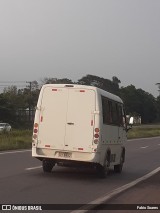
(31, 168)
(115, 192)
(14, 152)
(144, 147)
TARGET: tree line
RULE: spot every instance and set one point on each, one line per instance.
(17, 105)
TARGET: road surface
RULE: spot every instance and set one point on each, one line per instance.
(22, 180)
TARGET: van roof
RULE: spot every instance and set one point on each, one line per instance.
(78, 86)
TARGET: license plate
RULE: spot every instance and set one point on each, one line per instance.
(65, 154)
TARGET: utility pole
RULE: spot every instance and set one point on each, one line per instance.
(158, 84)
(30, 95)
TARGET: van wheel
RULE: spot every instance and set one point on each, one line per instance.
(118, 167)
(47, 165)
(103, 171)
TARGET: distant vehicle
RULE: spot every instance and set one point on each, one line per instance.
(5, 127)
(78, 124)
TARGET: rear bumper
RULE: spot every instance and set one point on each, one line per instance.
(90, 157)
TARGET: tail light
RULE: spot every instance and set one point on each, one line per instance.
(35, 130)
(96, 130)
(36, 125)
(34, 136)
(96, 141)
(96, 135)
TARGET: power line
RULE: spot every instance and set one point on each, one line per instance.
(12, 82)
(18, 84)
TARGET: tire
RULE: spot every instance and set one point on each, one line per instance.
(47, 165)
(103, 171)
(118, 167)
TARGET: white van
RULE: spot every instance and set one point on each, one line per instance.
(79, 125)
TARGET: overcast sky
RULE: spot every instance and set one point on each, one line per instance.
(73, 38)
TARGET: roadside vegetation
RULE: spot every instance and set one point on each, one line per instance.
(16, 139)
(144, 131)
(22, 139)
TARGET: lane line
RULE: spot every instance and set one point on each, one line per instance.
(14, 152)
(86, 208)
(144, 147)
(32, 168)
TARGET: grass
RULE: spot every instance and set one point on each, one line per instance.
(22, 139)
(16, 139)
(143, 132)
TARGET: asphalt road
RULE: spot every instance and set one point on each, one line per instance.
(22, 180)
(142, 197)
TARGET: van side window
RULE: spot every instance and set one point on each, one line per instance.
(120, 115)
(124, 117)
(115, 116)
(105, 109)
(112, 112)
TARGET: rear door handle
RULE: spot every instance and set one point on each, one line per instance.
(70, 123)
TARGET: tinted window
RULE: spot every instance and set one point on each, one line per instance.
(112, 112)
(120, 114)
(115, 115)
(106, 111)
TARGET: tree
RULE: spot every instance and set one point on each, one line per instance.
(57, 81)
(101, 83)
(14, 103)
(139, 102)
(116, 81)
(11, 90)
(7, 108)
(158, 108)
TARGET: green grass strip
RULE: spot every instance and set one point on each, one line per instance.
(22, 139)
(140, 132)
(16, 139)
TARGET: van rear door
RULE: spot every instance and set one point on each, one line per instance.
(52, 124)
(80, 120)
(67, 119)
